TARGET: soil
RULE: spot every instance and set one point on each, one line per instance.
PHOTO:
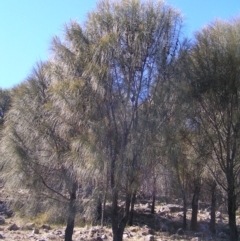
(165, 225)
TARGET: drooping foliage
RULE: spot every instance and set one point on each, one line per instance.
(213, 75)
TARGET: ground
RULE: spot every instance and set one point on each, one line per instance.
(165, 225)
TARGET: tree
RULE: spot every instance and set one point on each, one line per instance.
(133, 43)
(39, 147)
(213, 75)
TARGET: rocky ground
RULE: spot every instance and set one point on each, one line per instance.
(165, 225)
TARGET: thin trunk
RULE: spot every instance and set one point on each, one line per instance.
(195, 207)
(99, 208)
(212, 224)
(133, 200)
(232, 207)
(103, 208)
(71, 214)
(154, 195)
(184, 210)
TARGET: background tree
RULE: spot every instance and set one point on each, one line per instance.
(52, 168)
(213, 73)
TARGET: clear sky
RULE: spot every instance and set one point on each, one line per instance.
(27, 27)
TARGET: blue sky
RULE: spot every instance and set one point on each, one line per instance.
(27, 27)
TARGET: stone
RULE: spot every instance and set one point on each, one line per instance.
(149, 238)
(218, 215)
(125, 235)
(171, 208)
(36, 231)
(150, 231)
(144, 233)
(52, 237)
(104, 236)
(164, 210)
(195, 239)
(62, 236)
(1, 236)
(13, 227)
(2, 221)
(46, 227)
(28, 226)
(175, 208)
(145, 206)
(58, 232)
(180, 231)
(4, 210)
(133, 229)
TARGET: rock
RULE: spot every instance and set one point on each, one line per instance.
(164, 210)
(82, 238)
(46, 227)
(99, 239)
(180, 231)
(92, 231)
(1, 236)
(104, 236)
(133, 229)
(125, 235)
(149, 238)
(2, 221)
(4, 210)
(52, 237)
(171, 208)
(58, 232)
(13, 227)
(175, 208)
(35, 231)
(145, 206)
(195, 239)
(150, 231)
(28, 226)
(144, 233)
(218, 215)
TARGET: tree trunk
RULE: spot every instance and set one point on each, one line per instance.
(103, 208)
(213, 208)
(99, 208)
(133, 199)
(119, 223)
(232, 207)
(71, 214)
(154, 195)
(184, 211)
(195, 208)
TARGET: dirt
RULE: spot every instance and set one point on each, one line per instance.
(162, 226)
